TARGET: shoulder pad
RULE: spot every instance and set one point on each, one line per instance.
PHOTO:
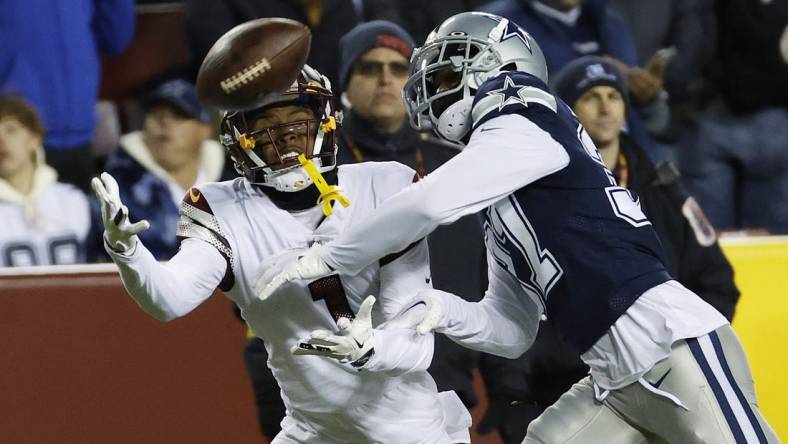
(510, 93)
(198, 221)
(196, 199)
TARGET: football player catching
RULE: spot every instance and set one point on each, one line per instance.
(563, 241)
(236, 232)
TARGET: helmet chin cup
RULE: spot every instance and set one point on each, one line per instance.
(455, 122)
(289, 180)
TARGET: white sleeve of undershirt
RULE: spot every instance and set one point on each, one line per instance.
(503, 323)
(503, 155)
(168, 290)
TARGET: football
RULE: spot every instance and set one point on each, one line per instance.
(251, 61)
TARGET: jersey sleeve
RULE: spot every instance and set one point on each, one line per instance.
(197, 221)
(504, 323)
(169, 290)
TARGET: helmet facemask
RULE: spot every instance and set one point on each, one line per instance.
(268, 155)
(440, 90)
(470, 47)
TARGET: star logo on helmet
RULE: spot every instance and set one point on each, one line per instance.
(514, 31)
(510, 94)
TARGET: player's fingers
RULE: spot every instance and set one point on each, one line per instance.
(99, 190)
(431, 319)
(272, 286)
(138, 227)
(111, 185)
(307, 348)
(344, 324)
(365, 311)
(322, 335)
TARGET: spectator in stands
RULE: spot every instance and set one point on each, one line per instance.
(51, 56)
(688, 26)
(430, 13)
(156, 167)
(596, 90)
(735, 161)
(567, 29)
(373, 69)
(45, 222)
(207, 20)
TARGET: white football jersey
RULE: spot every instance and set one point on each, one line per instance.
(48, 229)
(255, 237)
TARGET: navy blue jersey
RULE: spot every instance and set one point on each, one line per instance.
(573, 237)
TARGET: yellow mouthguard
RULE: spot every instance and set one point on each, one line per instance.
(328, 193)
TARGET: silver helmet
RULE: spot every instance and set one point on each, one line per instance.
(285, 173)
(456, 58)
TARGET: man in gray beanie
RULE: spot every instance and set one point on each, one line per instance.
(596, 91)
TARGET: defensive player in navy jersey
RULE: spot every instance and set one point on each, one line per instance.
(563, 240)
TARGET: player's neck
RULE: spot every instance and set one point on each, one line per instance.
(609, 152)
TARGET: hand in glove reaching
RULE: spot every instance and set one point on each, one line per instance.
(120, 234)
(354, 343)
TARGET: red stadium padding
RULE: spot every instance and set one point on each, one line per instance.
(81, 363)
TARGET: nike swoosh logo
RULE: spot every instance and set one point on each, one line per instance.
(360, 345)
(660, 380)
(488, 129)
(194, 195)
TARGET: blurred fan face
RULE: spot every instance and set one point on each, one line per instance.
(173, 139)
(602, 111)
(375, 86)
(17, 146)
(281, 133)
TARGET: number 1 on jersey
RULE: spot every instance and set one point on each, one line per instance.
(330, 290)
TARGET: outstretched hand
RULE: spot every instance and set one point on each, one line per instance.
(119, 233)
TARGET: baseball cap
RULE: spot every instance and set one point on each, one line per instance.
(584, 73)
(182, 95)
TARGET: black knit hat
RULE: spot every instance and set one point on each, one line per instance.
(582, 74)
(369, 35)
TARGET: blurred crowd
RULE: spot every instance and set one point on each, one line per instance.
(687, 101)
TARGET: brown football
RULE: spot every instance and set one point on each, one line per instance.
(252, 60)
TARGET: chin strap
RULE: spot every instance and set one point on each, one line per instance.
(328, 193)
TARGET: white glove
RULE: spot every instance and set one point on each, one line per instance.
(119, 234)
(308, 266)
(433, 315)
(354, 343)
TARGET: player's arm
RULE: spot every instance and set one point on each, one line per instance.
(503, 155)
(168, 290)
(503, 323)
(163, 290)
